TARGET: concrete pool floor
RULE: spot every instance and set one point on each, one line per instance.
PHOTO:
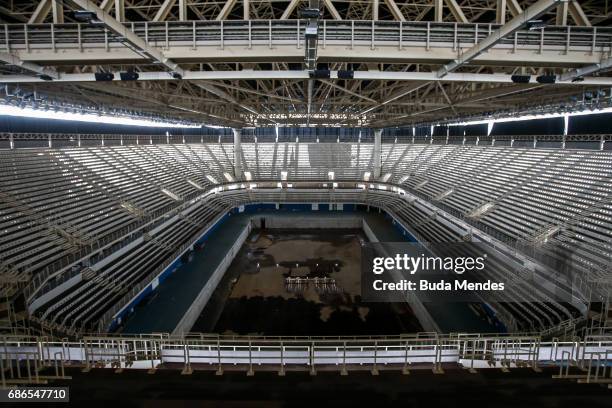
(253, 297)
(162, 311)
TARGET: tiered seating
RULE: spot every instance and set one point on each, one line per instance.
(50, 210)
(529, 192)
(529, 310)
(308, 161)
(57, 204)
(87, 301)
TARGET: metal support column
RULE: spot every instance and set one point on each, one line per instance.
(377, 152)
(237, 154)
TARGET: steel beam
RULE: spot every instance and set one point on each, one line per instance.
(292, 5)
(227, 8)
(224, 95)
(129, 93)
(57, 9)
(237, 153)
(9, 12)
(332, 9)
(41, 12)
(164, 10)
(397, 96)
(456, 11)
(11, 59)
(120, 10)
(561, 15)
(500, 12)
(348, 91)
(514, 7)
(575, 10)
(182, 10)
(107, 5)
(302, 75)
(395, 11)
(497, 57)
(377, 153)
(129, 36)
(604, 65)
(533, 12)
(439, 11)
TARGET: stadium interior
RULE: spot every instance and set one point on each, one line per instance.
(187, 189)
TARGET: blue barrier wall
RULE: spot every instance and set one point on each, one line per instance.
(165, 274)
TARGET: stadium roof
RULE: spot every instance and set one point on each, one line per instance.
(253, 63)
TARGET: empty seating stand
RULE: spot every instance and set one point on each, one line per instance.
(72, 209)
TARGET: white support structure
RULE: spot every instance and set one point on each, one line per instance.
(332, 9)
(227, 7)
(439, 10)
(421, 78)
(395, 11)
(514, 7)
(456, 11)
(57, 9)
(11, 59)
(377, 153)
(164, 10)
(561, 17)
(237, 153)
(580, 18)
(224, 95)
(182, 10)
(120, 10)
(292, 5)
(129, 36)
(246, 9)
(41, 12)
(106, 5)
(500, 12)
(605, 64)
(533, 12)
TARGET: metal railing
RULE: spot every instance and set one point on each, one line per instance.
(212, 352)
(271, 33)
(72, 140)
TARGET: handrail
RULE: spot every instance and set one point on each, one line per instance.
(290, 32)
(72, 140)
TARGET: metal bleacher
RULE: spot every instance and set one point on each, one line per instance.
(84, 229)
